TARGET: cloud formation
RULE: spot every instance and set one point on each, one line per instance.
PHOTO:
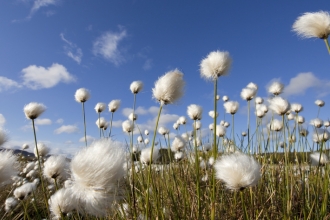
(140, 111)
(43, 121)
(106, 46)
(303, 81)
(37, 4)
(89, 139)
(66, 129)
(38, 77)
(6, 84)
(72, 50)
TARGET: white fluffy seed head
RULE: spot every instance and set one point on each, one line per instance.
(259, 100)
(279, 105)
(56, 167)
(319, 159)
(136, 87)
(276, 88)
(33, 110)
(25, 146)
(316, 122)
(195, 112)
(169, 88)
(43, 150)
(221, 131)
(175, 126)
(101, 122)
(303, 132)
(128, 126)
(114, 105)
(178, 144)
(321, 135)
(133, 117)
(326, 123)
(207, 147)
(300, 119)
(225, 98)
(212, 115)
(248, 93)
(197, 125)
(8, 167)
(10, 203)
(146, 141)
(96, 172)
(62, 202)
(238, 171)
(163, 131)
(231, 107)
(319, 103)
(182, 120)
(146, 132)
(25, 190)
(275, 125)
(82, 95)
(216, 64)
(296, 107)
(145, 156)
(313, 24)
(100, 107)
(179, 155)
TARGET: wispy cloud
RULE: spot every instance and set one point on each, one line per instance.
(147, 64)
(66, 129)
(303, 81)
(60, 121)
(89, 139)
(107, 46)
(72, 50)
(43, 121)
(38, 77)
(37, 4)
(2, 120)
(140, 111)
(6, 84)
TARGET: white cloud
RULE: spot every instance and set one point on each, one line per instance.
(147, 64)
(72, 50)
(6, 84)
(89, 139)
(66, 129)
(37, 4)
(141, 111)
(304, 81)
(2, 120)
(117, 124)
(43, 121)
(107, 46)
(38, 77)
(59, 121)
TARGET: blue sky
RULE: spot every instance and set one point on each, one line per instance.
(51, 48)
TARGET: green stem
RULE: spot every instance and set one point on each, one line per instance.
(248, 122)
(327, 44)
(99, 124)
(152, 150)
(215, 149)
(110, 124)
(83, 110)
(197, 173)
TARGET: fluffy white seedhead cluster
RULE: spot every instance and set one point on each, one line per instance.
(163, 131)
(25, 146)
(319, 159)
(195, 112)
(259, 100)
(207, 147)
(140, 139)
(275, 125)
(296, 107)
(146, 141)
(185, 136)
(96, 173)
(179, 155)
(313, 24)
(136, 87)
(197, 125)
(211, 126)
(178, 144)
(249, 92)
(3, 136)
(146, 132)
(319, 103)
(300, 119)
(82, 95)
(145, 156)
(100, 107)
(182, 120)
(25, 190)
(225, 98)
(316, 122)
(169, 88)
(133, 117)
(8, 167)
(216, 64)
(128, 126)
(212, 114)
(221, 131)
(56, 167)
(10, 203)
(261, 110)
(321, 135)
(326, 123)
(101, 122)
(62, 203)
(276, 88)
(231, 107)
(290, 116)
(114, 105)
(176, 126)
(238, 171)
(279, 105)
(43, 150)
(33, 110)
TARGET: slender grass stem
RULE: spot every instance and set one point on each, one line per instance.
(327, 44)
(83, 112)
